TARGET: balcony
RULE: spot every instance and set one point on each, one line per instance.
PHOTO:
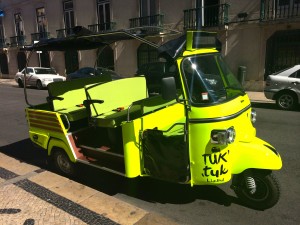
(39, 36)
(147, 24)
(279, 9)
(17, 41)
(102, 27)
(213, 16)
(62, 33)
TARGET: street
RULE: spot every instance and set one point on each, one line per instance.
(207, 205)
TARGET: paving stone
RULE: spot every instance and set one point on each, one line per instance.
(18, 206)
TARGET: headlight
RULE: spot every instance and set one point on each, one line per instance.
(253, 116)
(222, 137)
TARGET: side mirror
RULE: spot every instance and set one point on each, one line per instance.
(169, 91)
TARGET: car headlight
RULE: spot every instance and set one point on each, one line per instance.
(253, 116)
(222, 137)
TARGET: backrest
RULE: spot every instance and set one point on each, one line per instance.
(72, 92)
(152, 104)
(117, 93)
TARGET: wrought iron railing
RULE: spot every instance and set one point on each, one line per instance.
(209, 16)
(62, 33)
(147, 21)
(102, 27)
(17, 40)
(279, 9)
(40, 36)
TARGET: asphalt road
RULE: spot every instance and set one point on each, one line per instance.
(186, 205)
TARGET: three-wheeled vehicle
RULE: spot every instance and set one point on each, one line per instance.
(198, 130)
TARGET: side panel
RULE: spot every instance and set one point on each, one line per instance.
(162, 120)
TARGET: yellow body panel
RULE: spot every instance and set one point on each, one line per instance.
(47, 130)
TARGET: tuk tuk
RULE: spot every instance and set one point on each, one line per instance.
(198, 130)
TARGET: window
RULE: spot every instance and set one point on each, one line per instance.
(146, 54)
(148, 7)
(283, 2)
(41, 20)
(103, 10)
(19, 24)
(2, 37)
(68, 16)
(209, 80)
(295, 74)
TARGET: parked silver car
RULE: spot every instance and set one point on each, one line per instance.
(39, 77)
(284, 87)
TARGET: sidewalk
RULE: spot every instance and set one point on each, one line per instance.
(7, 81)
(31, 195)
(258, 97)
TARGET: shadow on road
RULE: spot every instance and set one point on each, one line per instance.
(145, 189)
(271, 105)
(25, 151)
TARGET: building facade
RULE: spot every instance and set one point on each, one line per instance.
(263, 36)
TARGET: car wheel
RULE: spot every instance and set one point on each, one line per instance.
(286, 100)
(39, 85)
(20, 83)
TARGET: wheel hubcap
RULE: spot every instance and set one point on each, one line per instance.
(286, 101)
(63, 163)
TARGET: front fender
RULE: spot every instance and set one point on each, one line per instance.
(255, 154)
(60, 144)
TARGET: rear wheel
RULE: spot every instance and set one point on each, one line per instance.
(39, 85)
(63, 163)
(286, 100)
(267, 191)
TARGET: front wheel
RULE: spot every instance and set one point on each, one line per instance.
(267, 191)
(63, 163)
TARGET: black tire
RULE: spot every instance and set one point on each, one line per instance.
(286, 100)
(20, 83)
(63, 164)
(267, 190)
(39, 85)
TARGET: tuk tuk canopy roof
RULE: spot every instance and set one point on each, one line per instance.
(83, 39)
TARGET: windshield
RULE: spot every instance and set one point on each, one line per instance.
(209, 80)
(44, 71)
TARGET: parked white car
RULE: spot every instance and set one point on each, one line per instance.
(284, 87)
(39, 77)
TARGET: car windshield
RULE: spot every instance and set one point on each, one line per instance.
(44, 71)
(209, 80)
